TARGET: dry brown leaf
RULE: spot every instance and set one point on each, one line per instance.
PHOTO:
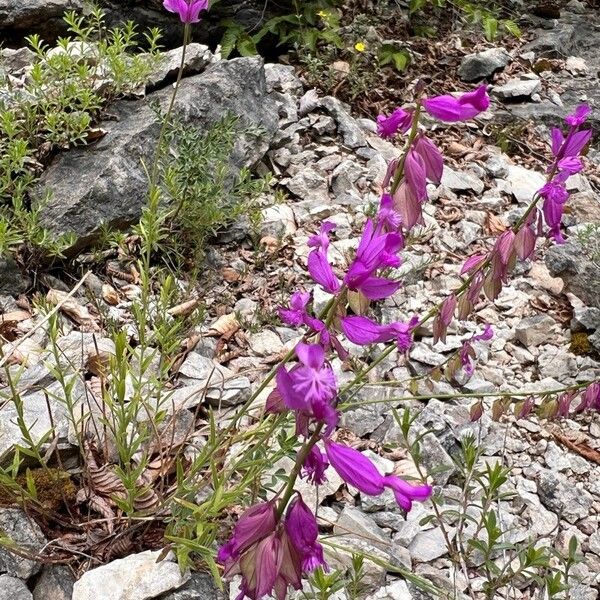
(14, 316)
(185, 308)
(225, 325)
(230, 275)
(494, 224)
(110, 295)
(582, 447)
(457, 150)
(80, 314)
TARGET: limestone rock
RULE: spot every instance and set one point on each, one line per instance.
(136, 577)
(88, 184)
(483, 64)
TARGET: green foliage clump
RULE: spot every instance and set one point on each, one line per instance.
(57, 106)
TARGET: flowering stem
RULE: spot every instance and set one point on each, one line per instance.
(167, 118)
(300, 458)
(411, 137)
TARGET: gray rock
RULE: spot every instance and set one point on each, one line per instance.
(310, 184)
(436, 460)
(483, 64)
(136, 577)
(15, 525)
(88, 184)
(352, 134)
(535, 330)
(581, 275)
(461, 181)
(556, 42)
(201, 586)
(517, 88)
(12, 281)
(282, 78)
(265, 343)
(353, 522)
(206, 378)
(54, 583)
(197, 57)
(428, 545)
(15, 60)
(12, 588)
(524, 183)
(559, 495)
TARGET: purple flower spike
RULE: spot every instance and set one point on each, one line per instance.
(188, 10)
(303, 531)
(399, 120)
(581, 113)
(558, 139)
(451, 109)
(432, 158)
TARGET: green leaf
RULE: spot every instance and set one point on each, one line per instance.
(416, 5)
(490, 27)
(512, 28)
(246, 46)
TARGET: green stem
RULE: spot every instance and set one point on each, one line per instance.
(302, 454)
(409, 140)
(167, 119)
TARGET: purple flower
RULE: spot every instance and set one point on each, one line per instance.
(402, 332)
(188, 10)
(525, 242)
(320, 241)
(358, 471)
(472, 263)
(303, 531)
(466, 106)
(255, 524)
(432, 158)
(408, 205)
(355, 468)
(322, 272)
(526, 408)
(363, 331)
(414, 171)
(579, 116)
(575, 143)
(314, 466)
(555, 195)
(405, 493)
(375, 250)
(570, 164)
(296, 314)
(310, 386)
(558, 139)
(444, 318)
(399, 120)
(564, 404)
(388, 219)
(260, 567)
(467, 353)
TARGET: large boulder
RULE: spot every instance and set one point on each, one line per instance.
(107, 182)
(24, 17)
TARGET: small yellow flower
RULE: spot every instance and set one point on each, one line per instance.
(360, 47)
(323, 14)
